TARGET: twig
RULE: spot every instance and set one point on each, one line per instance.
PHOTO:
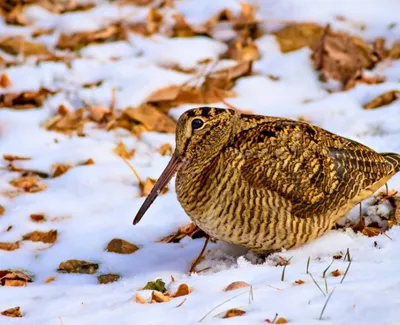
(133, 170)
(183, 301)
(284, 269)
(251, 295)
(308, 264)
(113, 101)
(197, 261)
(275, 318)
(326, 303)
(347, 255)
(326, 286)
(222, 303)
(317, 284)
(347, 270)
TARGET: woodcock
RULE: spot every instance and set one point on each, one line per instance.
(264, 182)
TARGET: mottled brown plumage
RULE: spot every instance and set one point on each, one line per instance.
(268, 183)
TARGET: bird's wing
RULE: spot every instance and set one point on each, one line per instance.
(311, 169)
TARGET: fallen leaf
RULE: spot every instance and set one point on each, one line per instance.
(299, 282)
(99, 114)
(139, 299)
(30, 184)
(122, 151)
(108, 278)
(371, 231)
(379, 48)
(60, 169)
(67, 123)
(165, 149)
(157, 297)
(18, 45)
(121, 246)
(182, 290)
(157, 285)
(236, 285)
(182, 28)
(382, 100)
(12, 312)
(9, 246)
(11, 278)
(78, 266)
(189, 230)
(5, 81)
(234, 312)
(48, 237)
(37, 217)
(50, 279)
(24, 100)
(394, 52)
(296, 36)
(151, 24)
(90, 161)
(14, 157)
(336, 273)
(148, 186)
(340, 57)
(151, 118)
(2, 210)
(281, 320)
(243, 49)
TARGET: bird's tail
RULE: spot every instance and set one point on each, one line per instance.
(393, 159)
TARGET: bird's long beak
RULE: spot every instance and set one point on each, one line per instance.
(173, 166)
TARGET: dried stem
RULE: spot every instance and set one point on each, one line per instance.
(326, 304)
(133, 170)
(198, 259)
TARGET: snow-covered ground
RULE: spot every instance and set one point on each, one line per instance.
(92, 204)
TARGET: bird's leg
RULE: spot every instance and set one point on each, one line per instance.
(387, 189)
(198, 259)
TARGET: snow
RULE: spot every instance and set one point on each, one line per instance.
(90, 205)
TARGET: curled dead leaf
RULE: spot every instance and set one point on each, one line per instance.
(99, 114)
(9, 246)
(67, 123)
(121, 246)
(11, 158)
(29, 184)
(394, 52)
(48, 237)
(37, 217)
(189, 230)
(60, 169)
(158, 297)
(382, 100)
(24, 100)
(2, 210)
(78, 266)
(12, 278)
(15, 45)
(5, 81)
(281, 320)
(299, 282)
(336, 273)
(165, 149)
(122, 151)
(234, 312)
(371, 231)
(108, 278)
(243, 49)
(182, 290)
(12, 312)
(139, 299)
(50, 279)
(236, 285)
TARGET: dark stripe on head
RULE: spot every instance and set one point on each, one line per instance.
(190, 113)
(205, 111)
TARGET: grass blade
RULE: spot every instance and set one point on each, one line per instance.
(326, 304)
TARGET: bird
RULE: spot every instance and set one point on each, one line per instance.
(267, 183)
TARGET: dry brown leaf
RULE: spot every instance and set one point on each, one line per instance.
(99, 114)
(139, 299)
(379, 48)
(60, 169)
(182, 290)
(234, 312)
(30, 184)
(162, 94)
(299, 282)
(243, 49)
(281, 320)
(157, 297)
(90, 161)
(336, 273)
(47, 237)
(24, 100)
(122, 151)
(371, 231)
(151, 118)
(394, 52)
(182, 28)
(11, 278)
(12, 312)
(111, 33)
(18, 45)
(5, 81)
(50, 279)
(341, 57)
(9, 246)
(37, 217)
(78, 266)
(108, 278)
(121, 246)
(165, 150)
(236, 285)
(71, 121)
(190, 230)
(383, 99)
(150, 26)
(2, 210)
(296, 36)
(14, 157)
(148, 186)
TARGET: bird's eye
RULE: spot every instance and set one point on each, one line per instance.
(197, 124)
